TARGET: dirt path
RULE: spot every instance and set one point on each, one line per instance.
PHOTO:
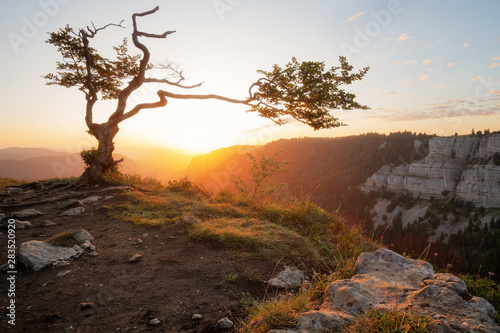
(175, 279)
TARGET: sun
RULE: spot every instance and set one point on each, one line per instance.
(199, 129)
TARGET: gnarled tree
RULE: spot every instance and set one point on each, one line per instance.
(303, 91)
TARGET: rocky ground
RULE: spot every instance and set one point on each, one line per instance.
(178, 285)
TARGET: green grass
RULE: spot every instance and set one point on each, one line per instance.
(262, 238)
(376, 321)
(279, 312)
(297, 231)
(66, 239)
(6, 182)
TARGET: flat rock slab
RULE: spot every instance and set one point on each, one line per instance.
(73, 212)
(37, 254)
(26, 213)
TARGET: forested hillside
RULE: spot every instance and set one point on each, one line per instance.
(329, 171)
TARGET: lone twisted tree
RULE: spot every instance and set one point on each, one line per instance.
(303, 91)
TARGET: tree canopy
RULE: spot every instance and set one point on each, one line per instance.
(304, 91)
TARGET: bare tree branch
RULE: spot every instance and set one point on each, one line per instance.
(163, 101)
(176, 84)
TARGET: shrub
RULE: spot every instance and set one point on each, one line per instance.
(66, 239)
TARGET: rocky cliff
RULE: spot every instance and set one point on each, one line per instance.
(466, 166)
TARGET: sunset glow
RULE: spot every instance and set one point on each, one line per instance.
(439, 77)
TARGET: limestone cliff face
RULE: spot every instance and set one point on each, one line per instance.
(460, 165)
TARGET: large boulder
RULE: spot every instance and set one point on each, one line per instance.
(387, 281)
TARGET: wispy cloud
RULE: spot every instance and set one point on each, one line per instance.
(495, 65)
(423, 77)
(452, 64)
(352, 18)
(404, 62)
(436, 43)
(496, 58)
(476, 78)
(466, 45)
(426, 62)
(486, 105)
(403, 37)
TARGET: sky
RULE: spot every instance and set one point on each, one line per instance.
(434, 67)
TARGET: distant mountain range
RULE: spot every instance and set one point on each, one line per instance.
(42, 163)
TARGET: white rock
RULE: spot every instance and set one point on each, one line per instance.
(289, 278)
(224, 323)
(36, 254)
(73, 212)
(68, 203)
(83, 236)
(385, 280)
(22, 224)
(154, 322)
(26, 213)
(91, 199)
(48, 223)
(135, 257)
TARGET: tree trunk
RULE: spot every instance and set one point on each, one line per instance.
(105, 134)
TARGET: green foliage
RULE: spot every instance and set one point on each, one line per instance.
(66, 239)
(89, 156)
(485, 288)
(261, 172)
(107, 75)
(306, 92)
(376, 321)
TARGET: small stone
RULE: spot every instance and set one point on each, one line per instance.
(10, 191)
(154, 322)
(135, 257)
(73, 212)
(22, 224)
(224, 323)
(48, 223)
(62, 273)
(92, 248)
(26, 213)
(83, 236)
(61, 263)
(91, 199)
(69, 203)
(138, 241)
(2, 216)
(197, 316)
(145, 235)
(107, 197)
